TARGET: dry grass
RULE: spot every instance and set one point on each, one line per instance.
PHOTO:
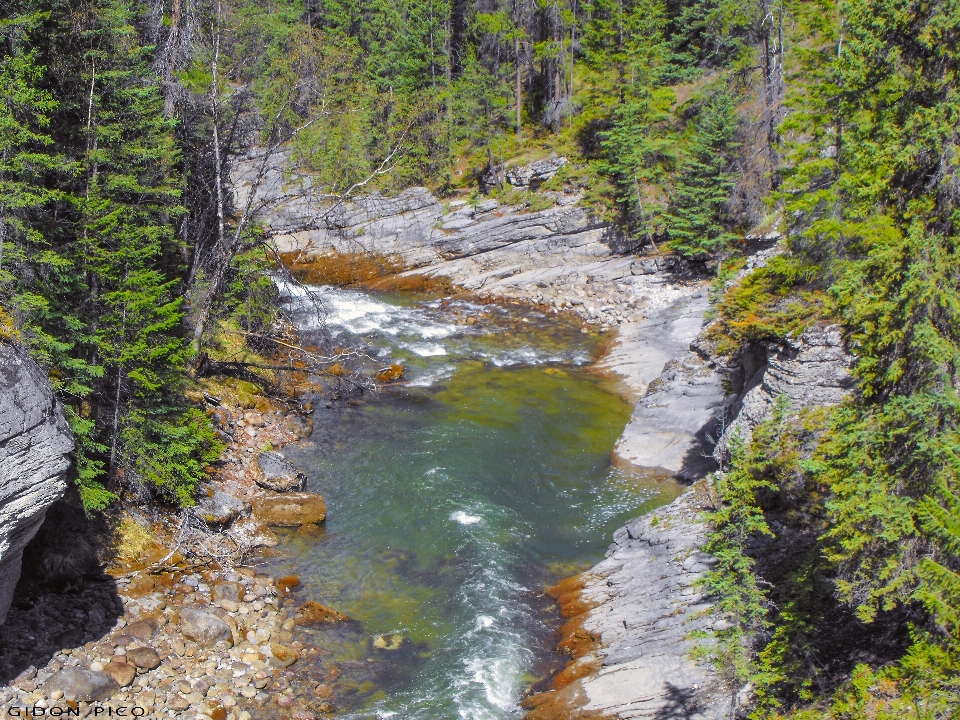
(133, 541)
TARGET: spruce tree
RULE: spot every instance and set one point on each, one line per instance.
(698, 222)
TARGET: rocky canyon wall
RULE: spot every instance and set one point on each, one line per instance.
(34, 442)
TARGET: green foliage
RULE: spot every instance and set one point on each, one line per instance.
(95, 265)
(870, 207)
(698, 222)
(168, 454)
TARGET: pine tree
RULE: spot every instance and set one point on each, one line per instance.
(698, 222)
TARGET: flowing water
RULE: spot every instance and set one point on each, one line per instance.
(454, 498)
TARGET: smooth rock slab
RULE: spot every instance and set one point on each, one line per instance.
(204, 628)
(290, 509)
(275, 472)
(81, 684)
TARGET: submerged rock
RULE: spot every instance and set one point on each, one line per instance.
(290, 509)
(313, 613)
(275, 472)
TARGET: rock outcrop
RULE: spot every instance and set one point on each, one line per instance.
(632, 615)
(683, 393)
(631, 620)
(523, 176)
(34, 442)
(810, 370)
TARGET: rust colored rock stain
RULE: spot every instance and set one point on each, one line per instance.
(565, 699)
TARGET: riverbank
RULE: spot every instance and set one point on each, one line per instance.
(167, 632)
(565, 262)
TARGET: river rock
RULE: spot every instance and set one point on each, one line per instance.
(282, 656)
(290, 509)
(141, 630)
(144, 657)
(203, 627)
(275, 472)
(232, 591)
(217, 507)
(80, 684)
(34, 442)
(251, 533)
(121, 672)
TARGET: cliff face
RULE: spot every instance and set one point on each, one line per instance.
(631, 617)
(34, 442)
(811, 370)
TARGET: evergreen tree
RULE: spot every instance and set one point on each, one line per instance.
(698, 221)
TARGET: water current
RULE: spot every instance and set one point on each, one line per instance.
(454, 498)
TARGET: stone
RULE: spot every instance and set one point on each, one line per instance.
(203, 627)
(35, 441)
(232, 591)
(141, 630)
(143, 657)
(251, 533)
(282, 655)
(290, 509)
(80, 684)
(177, 703)
(218, 508)
(313, 613)
(274, 472)
(121, 672)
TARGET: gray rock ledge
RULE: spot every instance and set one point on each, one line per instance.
(34, 442)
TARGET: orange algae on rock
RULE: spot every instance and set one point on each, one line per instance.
(313, 613)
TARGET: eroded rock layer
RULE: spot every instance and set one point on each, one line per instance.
(34, 442)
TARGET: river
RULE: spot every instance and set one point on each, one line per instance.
(454, 497)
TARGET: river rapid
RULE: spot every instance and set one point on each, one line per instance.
(455, 496)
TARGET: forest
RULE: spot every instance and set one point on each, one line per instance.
(689, 124)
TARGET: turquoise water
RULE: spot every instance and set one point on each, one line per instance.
(454, 499)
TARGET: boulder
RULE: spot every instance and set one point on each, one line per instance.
(80, 684)
(34, 442)
(251, 533)
(525, 176)
(275, 472)
(290, 509)
(216, 507)
(203, 627)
